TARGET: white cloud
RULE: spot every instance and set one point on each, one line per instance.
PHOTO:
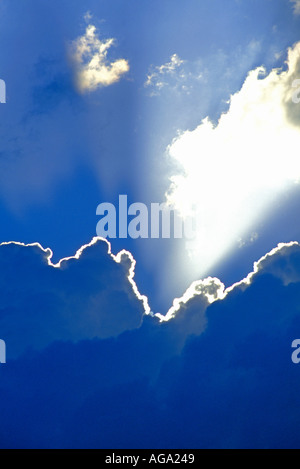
(206, 291)
(234, 171)
(296, 6)
(93, 69)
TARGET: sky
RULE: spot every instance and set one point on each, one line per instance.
(163, 343)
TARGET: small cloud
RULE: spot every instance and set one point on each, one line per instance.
(92, 68)
(156, 77)
(88, 16)
(296, 6)
(242, 242)
(173, 75)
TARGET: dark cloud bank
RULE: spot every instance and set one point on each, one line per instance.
(87, 369)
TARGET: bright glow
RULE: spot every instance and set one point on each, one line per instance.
(209, 289)
(234, 171)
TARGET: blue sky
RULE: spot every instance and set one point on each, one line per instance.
(70, 140)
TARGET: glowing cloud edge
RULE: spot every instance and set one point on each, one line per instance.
(197, 288)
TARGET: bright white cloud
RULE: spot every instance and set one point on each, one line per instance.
(93, 69)
(234, 171)
(296, 6)
(205, 291)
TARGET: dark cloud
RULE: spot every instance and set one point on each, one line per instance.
(160, 385)
(80, 299)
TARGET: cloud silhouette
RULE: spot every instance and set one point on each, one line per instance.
(163, 384)
(89, 295)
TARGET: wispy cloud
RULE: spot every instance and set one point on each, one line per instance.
(175, 74)
(92, 67)
(157, 76)
(296, 6)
